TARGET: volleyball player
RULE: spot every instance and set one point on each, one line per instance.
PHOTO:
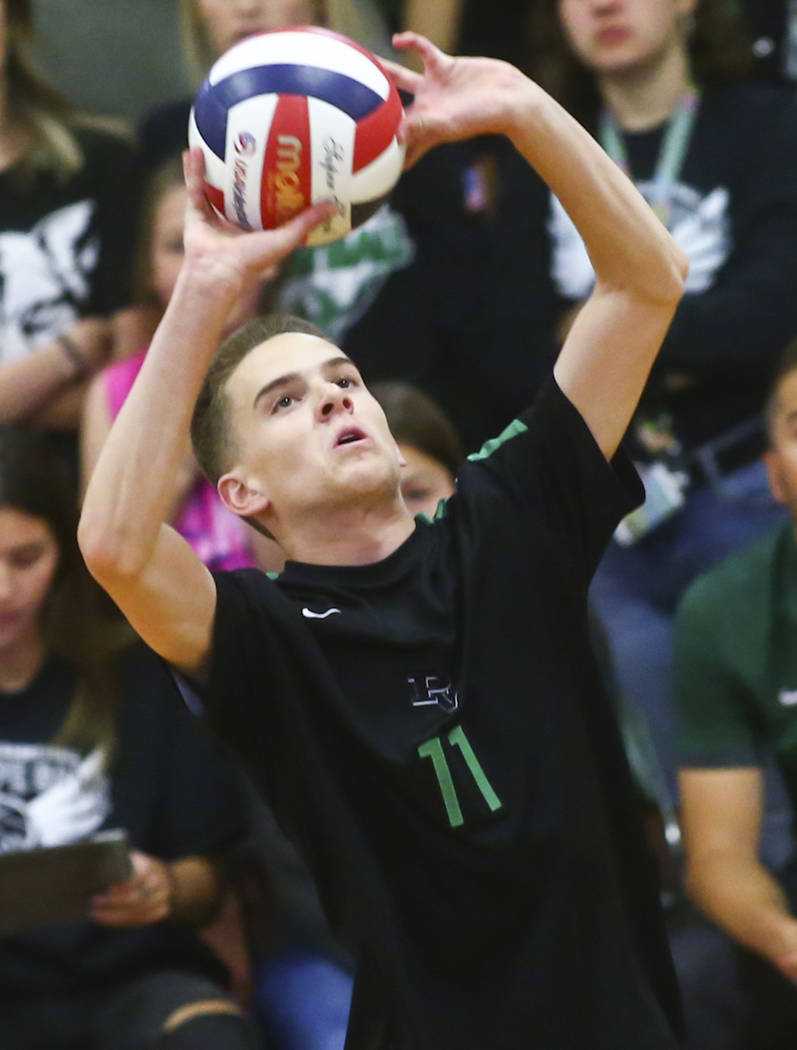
(418, 700)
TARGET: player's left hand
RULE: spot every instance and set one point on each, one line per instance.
(144, 898)
(454, 98)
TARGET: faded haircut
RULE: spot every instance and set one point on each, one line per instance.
(211, 430)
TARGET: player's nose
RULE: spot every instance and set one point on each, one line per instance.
(334, 399)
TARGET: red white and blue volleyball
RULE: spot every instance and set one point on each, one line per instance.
(292, 117)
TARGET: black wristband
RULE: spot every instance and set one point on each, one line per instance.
(75, 355)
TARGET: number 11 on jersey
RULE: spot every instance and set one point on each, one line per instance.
(434, 749)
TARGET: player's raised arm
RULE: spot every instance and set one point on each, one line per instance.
(148, 569)
(640, 270)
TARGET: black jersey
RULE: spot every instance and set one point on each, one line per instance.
(432, 730)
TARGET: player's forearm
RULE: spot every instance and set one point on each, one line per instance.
(629, 248)
(131, 489)
(742, 897)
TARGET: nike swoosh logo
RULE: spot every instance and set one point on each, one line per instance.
(318, 616)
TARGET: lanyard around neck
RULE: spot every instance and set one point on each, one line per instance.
(672, 152)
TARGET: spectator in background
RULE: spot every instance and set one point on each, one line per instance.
(93, 736)
(220, 538)
(660, 82)
(68, 191)
(427, 441)
(736, 676)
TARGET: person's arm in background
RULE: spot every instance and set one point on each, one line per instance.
(717, 634)
(188, 890)
(640, 272)
(46, 385)
(721, 820)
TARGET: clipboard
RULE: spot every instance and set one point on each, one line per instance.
(55, 884)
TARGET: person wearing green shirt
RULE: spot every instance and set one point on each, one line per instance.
(736, 693)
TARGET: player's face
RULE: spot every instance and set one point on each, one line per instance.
(310, 437)
(617, 36)
(424, 481)
(228, 21)
(781, 459)
(28, 560)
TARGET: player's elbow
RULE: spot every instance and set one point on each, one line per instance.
(670, 283)
(108, 550)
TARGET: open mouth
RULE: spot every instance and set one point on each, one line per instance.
(349, 436)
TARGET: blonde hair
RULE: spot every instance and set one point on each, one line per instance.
(340, 15)
(47, 117)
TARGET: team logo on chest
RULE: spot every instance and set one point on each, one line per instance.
(432, 690)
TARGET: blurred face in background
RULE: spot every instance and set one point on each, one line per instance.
(228, 21)
(167, 242)
(28, 560)
(781, 459)
(616, 36)
(167, 256)
(424, 481)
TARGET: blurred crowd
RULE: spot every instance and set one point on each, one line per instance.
(472, 270)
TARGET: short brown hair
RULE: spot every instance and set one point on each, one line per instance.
(211, 435)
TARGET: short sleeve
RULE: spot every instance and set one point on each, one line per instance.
(545, 473)
(716, 724)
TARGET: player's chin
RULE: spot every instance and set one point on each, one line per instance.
(369, 474)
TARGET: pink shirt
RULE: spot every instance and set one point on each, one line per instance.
(219, 537)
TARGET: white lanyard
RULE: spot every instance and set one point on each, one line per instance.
(672, 152)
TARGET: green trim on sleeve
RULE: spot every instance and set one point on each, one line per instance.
(515, 429)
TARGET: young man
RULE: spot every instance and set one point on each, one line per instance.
(736, 687)
(419, 699)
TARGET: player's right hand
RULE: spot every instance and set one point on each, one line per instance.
(226, 252)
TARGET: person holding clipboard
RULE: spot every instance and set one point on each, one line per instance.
(91, 740)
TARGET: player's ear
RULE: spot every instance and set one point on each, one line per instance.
(239, 497)
(772, 463)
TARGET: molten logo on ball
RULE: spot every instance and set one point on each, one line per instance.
(285, 182)
(294, 116)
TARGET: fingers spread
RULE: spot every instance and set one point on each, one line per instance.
(406, 79)
(410, 41)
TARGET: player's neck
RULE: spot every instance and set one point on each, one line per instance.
(646, 96)
(20, 662)
(350, 535)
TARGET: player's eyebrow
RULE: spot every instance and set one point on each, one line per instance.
(291, 377)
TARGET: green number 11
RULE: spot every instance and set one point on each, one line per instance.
(434, 749)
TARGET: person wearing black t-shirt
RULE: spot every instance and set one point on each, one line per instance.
(94, 737)
(418, 700)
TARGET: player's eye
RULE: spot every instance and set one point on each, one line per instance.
(284, 402)
(344, 382)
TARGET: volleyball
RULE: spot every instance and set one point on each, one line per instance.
(292, 117)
